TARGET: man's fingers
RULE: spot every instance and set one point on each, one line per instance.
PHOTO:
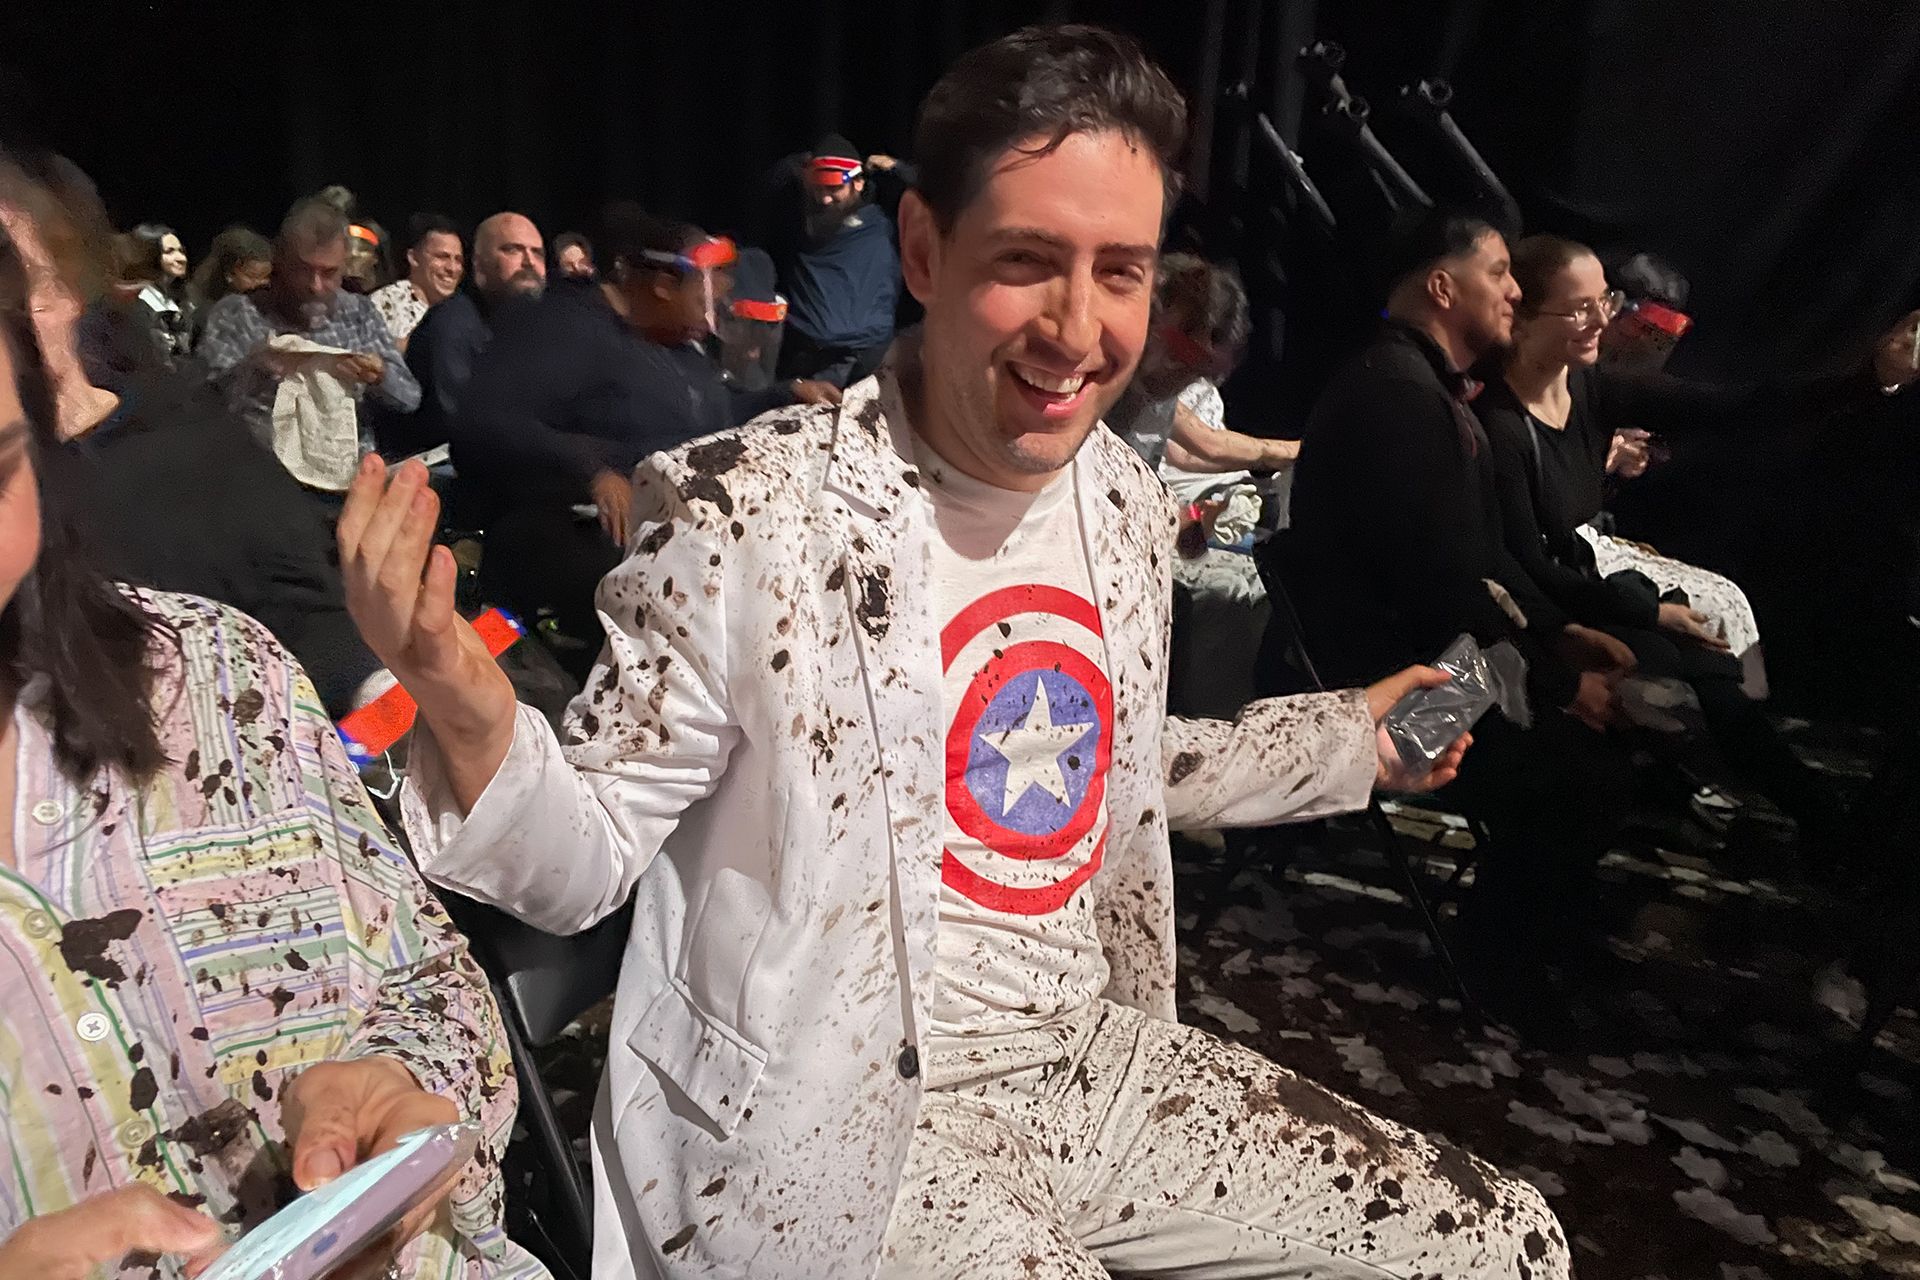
(435, 616)
(363, 495)
(395, 505)
(407, 555)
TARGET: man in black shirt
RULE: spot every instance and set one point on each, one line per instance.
(572, 393)
(1397, 547)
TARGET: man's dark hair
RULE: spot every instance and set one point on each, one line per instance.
(313, 222)
(1046, 83)
(422, 225)
(1209, 295)
(1422, 237)
(628, 233)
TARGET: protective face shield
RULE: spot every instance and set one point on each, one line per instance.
(1642, 336)
(750, 334)
(715, 253)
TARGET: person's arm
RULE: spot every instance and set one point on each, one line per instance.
(1281, 760)
(1590, 601)
(507, 428)
(1194, 446)
(397, 388)
(223, 343)
(494, 806)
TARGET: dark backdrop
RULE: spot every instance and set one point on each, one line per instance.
(1766, 148)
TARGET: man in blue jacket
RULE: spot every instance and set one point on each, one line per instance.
(834, 244)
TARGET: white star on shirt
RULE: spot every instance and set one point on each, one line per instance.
(1033, 750)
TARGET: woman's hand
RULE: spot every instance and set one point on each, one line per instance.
(337, 1114)
(1596, 703)
(1629, 453)
(1692, 624)
(613, 494)
(102, 1229)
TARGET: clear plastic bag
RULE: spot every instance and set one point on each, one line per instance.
(1424, 723)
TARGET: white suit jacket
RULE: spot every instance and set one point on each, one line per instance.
(760, 756)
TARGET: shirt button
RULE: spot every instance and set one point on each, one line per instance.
(134, 1133)
(38, 924)
(48, 812)
(93, 1027)
(909, 1063)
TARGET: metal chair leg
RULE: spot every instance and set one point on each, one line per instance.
(570, 1193)
(1396, 850)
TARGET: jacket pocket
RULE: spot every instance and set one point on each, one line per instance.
(712, 1064)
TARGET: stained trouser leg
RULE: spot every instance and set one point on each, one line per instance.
(1150, 1149)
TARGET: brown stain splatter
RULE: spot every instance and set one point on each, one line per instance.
(83, 943)
(651, 544)
(248, 706)
(872, 608)
(1183, 765)
(212, 1131)
(1457, 1167)
(680, 1239)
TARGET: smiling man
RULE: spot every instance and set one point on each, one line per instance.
(878, 745)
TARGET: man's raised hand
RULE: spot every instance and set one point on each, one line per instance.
(400, 593)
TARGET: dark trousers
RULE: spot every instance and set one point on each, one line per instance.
(542, 556)
(1552, 797)
(1745, 739)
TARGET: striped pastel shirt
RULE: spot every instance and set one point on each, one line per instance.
(172, 954)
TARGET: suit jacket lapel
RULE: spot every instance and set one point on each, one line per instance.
(887, 573)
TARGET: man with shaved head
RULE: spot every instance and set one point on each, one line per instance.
(509, 266)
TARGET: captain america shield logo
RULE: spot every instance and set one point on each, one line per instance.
(1027, 751)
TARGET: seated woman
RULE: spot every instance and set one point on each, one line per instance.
(227, 984)
(1552, 417)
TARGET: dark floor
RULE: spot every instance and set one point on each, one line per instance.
(1682, 1137)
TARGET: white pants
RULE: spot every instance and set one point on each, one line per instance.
(1148, 1148)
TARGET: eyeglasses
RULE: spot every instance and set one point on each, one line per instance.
(1594, 310)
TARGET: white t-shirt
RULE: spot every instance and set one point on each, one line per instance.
(1029, 725)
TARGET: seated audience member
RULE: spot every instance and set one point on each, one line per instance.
(187, 1046)
(1397, 546)
(573, 256)
(509, 266)
(568, 398)
(240, 261)
(135, 324)
(753, 324)
(369, 266)
(165, 290)
(137, 468)
(1553, 415)
(1172, 415)
(435, 263)
(247, 334)
(879, 747)
(833, 242)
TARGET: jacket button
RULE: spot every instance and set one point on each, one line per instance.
(909, 1063)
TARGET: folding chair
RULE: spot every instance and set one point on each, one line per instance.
(1286, 642)
(542, 982)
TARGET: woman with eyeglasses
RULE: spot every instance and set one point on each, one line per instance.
(1552, 414)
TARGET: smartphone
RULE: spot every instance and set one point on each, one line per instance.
(325, 1228)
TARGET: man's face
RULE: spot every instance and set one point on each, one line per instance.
(1483, 294)
(841, 195)
(307, 277)
(252, 274)
(513, 261)
(1038, 301)
(438, 262)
